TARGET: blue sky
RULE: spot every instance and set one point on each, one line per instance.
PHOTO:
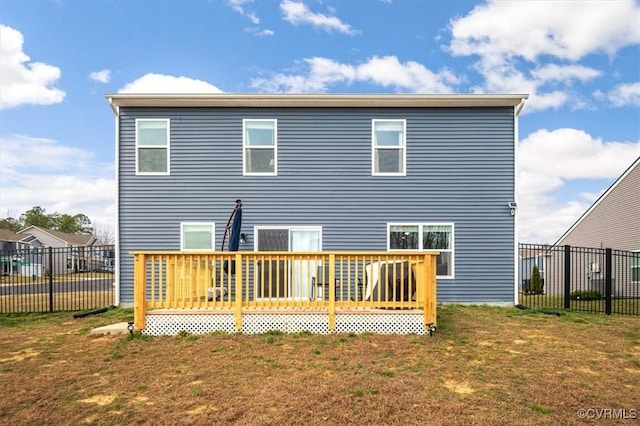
(579, 130)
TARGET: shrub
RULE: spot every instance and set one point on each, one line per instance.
(585, 295)
(536, 281)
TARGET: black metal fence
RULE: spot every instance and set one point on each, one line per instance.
(56, 279)
(578, 278)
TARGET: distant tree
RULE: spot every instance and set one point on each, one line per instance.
(36, 216)
(536, 281)
(9, 222)
(76, 224)
(104, 234)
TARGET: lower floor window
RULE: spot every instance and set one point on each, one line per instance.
(197, 236)
(425, 236)
(635, 267)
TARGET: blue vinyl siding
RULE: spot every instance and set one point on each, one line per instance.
(460, 169)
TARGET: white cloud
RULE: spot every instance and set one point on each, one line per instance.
(565, 73)
(387, 71)
(160, 83)
(253, 18)
(258, 32)
(238, 5)
(23, 82)
(103, 76)
(567, 30)
(297, 13)
(577, 155)
(627, 94)
(508, 37)
(57, 177)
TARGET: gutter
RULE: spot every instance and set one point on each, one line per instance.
(517, 110)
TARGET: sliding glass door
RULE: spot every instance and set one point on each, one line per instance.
(293, 279)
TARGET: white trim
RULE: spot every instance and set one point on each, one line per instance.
(403, 147)
(516, 239)
(323, 100)
(274, 147)
(421, 226)
(635, 164)
(167, 147)
(213, 235)
(117, 212)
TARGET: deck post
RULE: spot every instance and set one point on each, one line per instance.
(332, 292)
(139, 289)
(429, 291)
(238, 277)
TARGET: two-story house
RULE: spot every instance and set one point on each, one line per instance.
(388, 172)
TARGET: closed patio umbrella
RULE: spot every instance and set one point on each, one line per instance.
(234, 239)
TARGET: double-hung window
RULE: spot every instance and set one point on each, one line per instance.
(635, 267)
(426, 236)
(197, 236)
(260, 147)
(389, 153)
(152, 146)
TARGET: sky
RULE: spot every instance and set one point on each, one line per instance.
(579, 61)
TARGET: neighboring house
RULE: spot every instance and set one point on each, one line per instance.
(324, 172)
(10, 243)
(71, 252)
(613, 221)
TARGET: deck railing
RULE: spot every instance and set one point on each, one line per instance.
(284, 280)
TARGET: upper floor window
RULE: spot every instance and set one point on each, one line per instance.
(260, 147)
(152, 146)
(389, 148)
(428, 236)
(197, 236)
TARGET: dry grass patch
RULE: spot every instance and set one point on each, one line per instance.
(483, 366)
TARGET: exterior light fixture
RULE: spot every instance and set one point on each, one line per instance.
(243, 238)
(130, 328)
(513, 206)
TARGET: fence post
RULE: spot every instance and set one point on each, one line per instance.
(50, 249)
(608, 280)
(567, 277)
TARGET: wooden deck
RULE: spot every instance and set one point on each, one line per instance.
(314, 291)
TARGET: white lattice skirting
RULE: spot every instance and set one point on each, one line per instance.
(255, 323)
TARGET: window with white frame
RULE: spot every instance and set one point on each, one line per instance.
(152, 146)
(197, 236)
(635, 267)
(388, 147)
(260, 147)
(426, 236)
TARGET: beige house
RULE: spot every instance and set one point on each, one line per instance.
(612, 222)
(71, 252)
(614, 219)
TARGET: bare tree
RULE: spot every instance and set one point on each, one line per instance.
(10, 221)
(104, 234)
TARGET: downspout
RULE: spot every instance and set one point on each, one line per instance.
(116, 112)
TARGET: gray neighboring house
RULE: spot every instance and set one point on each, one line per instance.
(324, 172)
(613, 221)
(71, 252)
